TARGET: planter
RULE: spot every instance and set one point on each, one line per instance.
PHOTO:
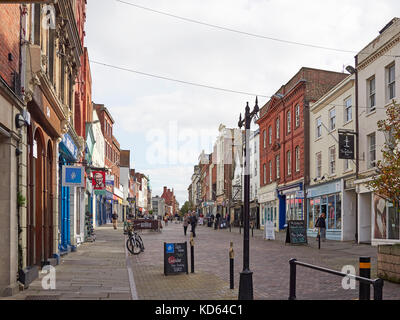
(389, 262)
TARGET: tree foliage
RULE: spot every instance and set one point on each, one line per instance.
(387, 182)
(185, 208)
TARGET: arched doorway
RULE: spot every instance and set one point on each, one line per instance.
(38, 162)
(48, 217)
(30, 223)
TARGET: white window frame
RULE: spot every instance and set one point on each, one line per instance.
(265, 173)
(270, 171)
(278, 128)
(289, 163)
(371, 149)
(391, 81)
(270, 135)
(278, 166)
(318, 131)
(318, 164)
(297, 155)
(265, 138)
(297, 116)
(289, 121)
(371, 94)
(332, 119)
(332, 160)
(348, 109)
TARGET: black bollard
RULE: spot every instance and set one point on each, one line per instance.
(231, 266)
(365, 272)
(292, 281)
(192, 253)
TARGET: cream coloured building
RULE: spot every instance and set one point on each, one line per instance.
(331, 189)
(377, 69)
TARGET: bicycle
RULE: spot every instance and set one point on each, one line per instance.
(134, 243)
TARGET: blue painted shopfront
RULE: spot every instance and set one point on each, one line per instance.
(291, 204)
(68, 153)
(325, 198)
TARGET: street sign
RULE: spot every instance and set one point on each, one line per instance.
(73, 176)
(296, 232)
(175, 258)
(269, 231)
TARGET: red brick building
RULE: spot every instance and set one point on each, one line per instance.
(284, 139)
(170, 199)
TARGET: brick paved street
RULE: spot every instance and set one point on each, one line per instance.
(103, 271)
(269, 262)
(97, 271)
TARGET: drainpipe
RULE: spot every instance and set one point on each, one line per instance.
(357, 144)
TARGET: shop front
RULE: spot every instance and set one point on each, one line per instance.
(291, 203)
(68, 154)
(269, 206)
(328, 199)
(378, 218)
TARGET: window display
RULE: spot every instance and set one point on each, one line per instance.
(331, 205)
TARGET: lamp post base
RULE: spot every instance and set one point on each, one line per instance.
(246, 285)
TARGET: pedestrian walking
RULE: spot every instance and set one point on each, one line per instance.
(217, 221)
(321, 224)
(186, 222)
(193, 223)
(115, 219)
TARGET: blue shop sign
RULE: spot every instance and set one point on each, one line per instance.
(330, 188)
(73, 176)
(67, 144)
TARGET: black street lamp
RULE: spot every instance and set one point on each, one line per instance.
(246, 276)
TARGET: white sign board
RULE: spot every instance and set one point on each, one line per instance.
(269, 230)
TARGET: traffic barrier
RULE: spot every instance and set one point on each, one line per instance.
(377, 283)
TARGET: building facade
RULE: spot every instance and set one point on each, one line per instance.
(330, 190)
(377, 67)
(284, 142)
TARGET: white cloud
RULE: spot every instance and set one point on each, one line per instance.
(136, 39)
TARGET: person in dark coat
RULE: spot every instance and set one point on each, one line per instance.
(193, 223)
(217, 221)
(321, 224)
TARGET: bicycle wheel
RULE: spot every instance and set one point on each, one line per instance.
(140, 241)
(133, 246)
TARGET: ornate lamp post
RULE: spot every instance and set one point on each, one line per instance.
(246, 276)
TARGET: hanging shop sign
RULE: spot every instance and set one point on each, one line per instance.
(346, 146)
(99, 180)
(110, 180)
(73, 176)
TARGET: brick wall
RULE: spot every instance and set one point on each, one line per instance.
(9, 41)
(389, 263)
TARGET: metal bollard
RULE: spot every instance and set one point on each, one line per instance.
(292, 285)
(365, 272)
(378, 288)
(192, 253)
(231, 266)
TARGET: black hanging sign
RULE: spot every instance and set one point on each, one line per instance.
(296, 232)
(346, 146)
(175, 258)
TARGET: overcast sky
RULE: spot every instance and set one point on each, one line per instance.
(167, 124)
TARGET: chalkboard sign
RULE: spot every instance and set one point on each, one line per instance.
(296, 232)
(175, 258)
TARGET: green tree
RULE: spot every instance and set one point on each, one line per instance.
(185, 208)
(386, 183)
